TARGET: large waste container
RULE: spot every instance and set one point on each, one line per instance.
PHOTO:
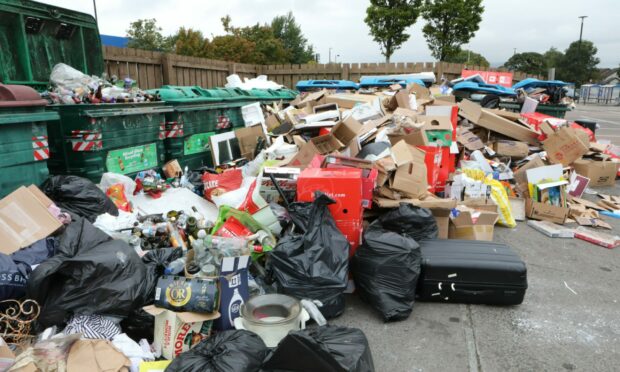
(197, 114)
(273, 95)
(123, 138)
(90, 139)
(23, 137)
(558, 111)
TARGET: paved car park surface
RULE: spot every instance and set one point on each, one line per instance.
(608, 117)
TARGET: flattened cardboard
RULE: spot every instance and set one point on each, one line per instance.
(40, 196)
(248, 138)
(512, 116)
(348, 101)
(7, 357)
(96, 356)
(24, 220)
(514, 149)
(564, 146)
(600, 173)
(487, 119)
(469, 140)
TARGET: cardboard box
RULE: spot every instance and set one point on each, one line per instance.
(601, 173)
(96, 356)
(546, 212)
(564, 146)
(469, 140)
(176, 333)
(234, 290)
(286, 177)
(343, 185)
(248, 138)
(517, 205)
(346, 130)
(436, 122)
(348, 101)
(352, 230)
(7, 357)
(513, 149)
(320, 145)
(473, 225)
(411, 179)
(442, 217)
(24, 220)
(369, 173)
(172, 169)
(487, 119)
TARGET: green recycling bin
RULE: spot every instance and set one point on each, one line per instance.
(24, 147)
(273, 95)
(197, 114)
(558, 111)
(121, 138)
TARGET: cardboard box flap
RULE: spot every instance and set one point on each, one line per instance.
(186, 317)
(436, 122)
(40, 196)
(403, 153)
(24, 220)
(346, 130)
(470, 110)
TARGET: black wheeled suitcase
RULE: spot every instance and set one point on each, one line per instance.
(471, 272)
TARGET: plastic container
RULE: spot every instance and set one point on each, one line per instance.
(311, 85)
(558, 111)
(379, 82)
(24, 147)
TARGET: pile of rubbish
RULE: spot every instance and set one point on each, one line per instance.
(70, 86)
(241, 266)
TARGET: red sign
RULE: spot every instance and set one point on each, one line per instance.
(491, 77)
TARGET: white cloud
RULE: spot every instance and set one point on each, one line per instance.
(528, 25)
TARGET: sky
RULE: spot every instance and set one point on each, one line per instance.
(527, 25)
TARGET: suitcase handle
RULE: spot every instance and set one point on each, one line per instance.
(474, 293)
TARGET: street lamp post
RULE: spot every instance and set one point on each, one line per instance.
(336, 58)
(330, 55)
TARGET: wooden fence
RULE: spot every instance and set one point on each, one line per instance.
(154, 69)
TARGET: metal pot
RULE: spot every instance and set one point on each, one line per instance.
(272, 317)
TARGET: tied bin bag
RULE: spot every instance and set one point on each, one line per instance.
(314, 265)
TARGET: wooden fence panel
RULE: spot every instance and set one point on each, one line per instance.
(153, 69)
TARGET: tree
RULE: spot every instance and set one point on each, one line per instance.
(231, 48)
(552, 58)
(145, 34)
(268, 48)
(579, 63)
(388, 20)
(286, 29)
(450, 24)
(528, 62)
(468, 57)
(189, 42)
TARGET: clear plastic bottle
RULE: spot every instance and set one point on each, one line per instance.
(228, 247)
(175, 267)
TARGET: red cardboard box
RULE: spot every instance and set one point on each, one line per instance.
(353, 232)
(433, 164)
(344, 185)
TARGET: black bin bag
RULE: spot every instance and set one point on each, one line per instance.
(78, 195)
(93, 274)
(314, 265)
(228, 351)
(385, 269)
(414, 222)
(325, 349)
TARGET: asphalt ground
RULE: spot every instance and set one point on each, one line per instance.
(569, 320)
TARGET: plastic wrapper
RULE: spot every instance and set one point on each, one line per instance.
(325, 349)
(229, 351)
(108, 179)
(314, 265)
(498, 195)
(386, 268)
(116, 193)
(78, 195)
(218, 184)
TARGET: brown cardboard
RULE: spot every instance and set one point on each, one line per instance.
(517, 206)
(444, 100)
(429, 202)
(96, 356)
(487, 119)
(348, 101)
(564, 146)
(481, 204)
(436, 122)
(411, 179)
(442, 217)
(171, 326)
(400, 99)
(346, 130)
(419, 91)
(248, 138)
(546, 212)
(172, 169)
(469, 140)
(415, 138)
(320, 145)
(513, 149)
(272, 122)
(520, 175)
(601, 173)
(24, 220)
(588, 204)
(312, 99)
(403, 153)
(37, 193)
(7, 357)
(512, 116)
(463, 227)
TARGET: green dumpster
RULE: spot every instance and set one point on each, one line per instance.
(196, 115)
(89, 139)
(273, 95)
(23, 137)
(558, 111)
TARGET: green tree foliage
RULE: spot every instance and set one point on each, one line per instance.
(528, 62)
(231, 48)
(579, 63)
(388, 20)
(145, 34)
(450, 24)
(286, 29)
(552, 58)
(190, 42)
(468, 57)
(267, 49)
